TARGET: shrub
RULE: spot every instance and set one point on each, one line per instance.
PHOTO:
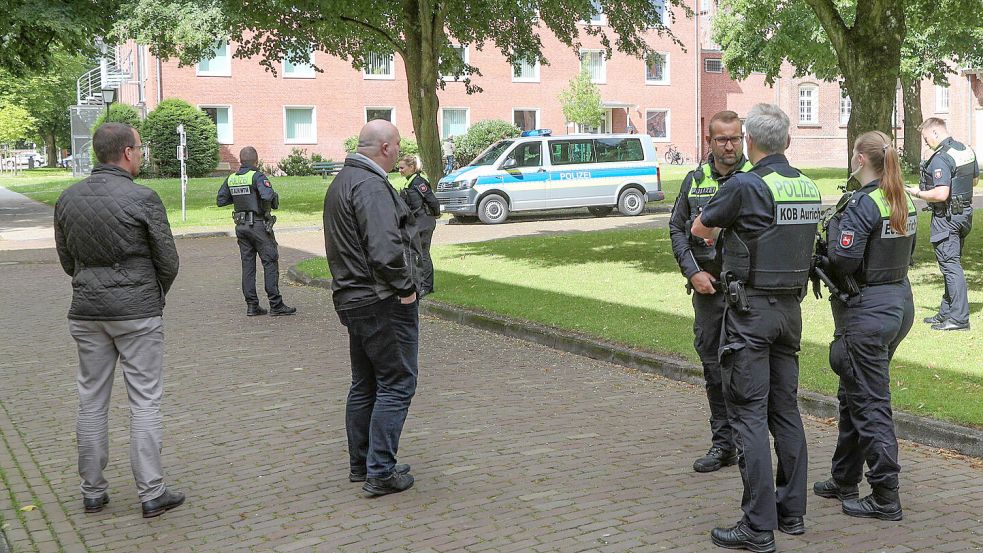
(407, 146)
(351, 143)
(160, 131)
(297, 164)
(118, 113)
(480, 136)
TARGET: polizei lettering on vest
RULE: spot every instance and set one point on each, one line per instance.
(796, 189)
(799, 214)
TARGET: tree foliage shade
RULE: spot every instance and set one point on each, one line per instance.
(159, 130)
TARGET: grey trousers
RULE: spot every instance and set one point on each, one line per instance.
(138, 346)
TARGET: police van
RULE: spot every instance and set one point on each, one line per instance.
(538, 171)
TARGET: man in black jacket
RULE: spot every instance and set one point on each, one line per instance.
(113, 238)
(369, 237)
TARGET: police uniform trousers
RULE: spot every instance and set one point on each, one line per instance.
(760, 375)
(868, 330)
(426, 225)
(254, 240)
(708, 312)
(948, 236)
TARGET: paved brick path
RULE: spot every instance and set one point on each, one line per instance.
(515, 447)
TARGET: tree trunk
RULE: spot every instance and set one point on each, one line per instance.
(51, 148)
(912, 99)
(424, 36)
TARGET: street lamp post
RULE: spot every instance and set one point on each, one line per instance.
(108, 97)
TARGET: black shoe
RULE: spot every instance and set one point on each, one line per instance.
(950, 324)
(254, 310)
(883, 504)
(95, 504)
(792, 525)
(360, 476)
(395, 483)
(833, 489)
(167, 501)
(934, 319)
(742, 536)
(714, 459)
(282, 310)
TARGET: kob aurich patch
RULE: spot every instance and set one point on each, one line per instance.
(846, 239)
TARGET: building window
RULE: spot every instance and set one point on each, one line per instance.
(462, 52)
(525, 72)
(657, 124)
(846, 106)
(379, 66)
(454, 121)
(526, 119)
(660, 8)
(597, 14)
(713, 65)
(941, 99)
(592, 61)
(299, 125)
(303, 70)
(222, 117)
(386, 114)
(219, 64)
(657, 68)
(808, 104)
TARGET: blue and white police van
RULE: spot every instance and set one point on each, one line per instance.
(538, 171)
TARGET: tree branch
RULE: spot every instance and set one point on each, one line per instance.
(397, 45)
(832, 23)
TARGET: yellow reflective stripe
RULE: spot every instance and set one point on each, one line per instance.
(244, 179)
(962, 157)
(792, 189)
(884, 207)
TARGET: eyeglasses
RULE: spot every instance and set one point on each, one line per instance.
(723, 140)
(140, 147)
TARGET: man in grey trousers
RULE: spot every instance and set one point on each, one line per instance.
(114, 240)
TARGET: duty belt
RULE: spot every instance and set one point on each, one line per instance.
(244, 217)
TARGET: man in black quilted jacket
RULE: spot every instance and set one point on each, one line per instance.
(114, 240)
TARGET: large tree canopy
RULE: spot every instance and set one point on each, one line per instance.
(421, 32)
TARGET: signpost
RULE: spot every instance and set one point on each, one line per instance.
(182, 155)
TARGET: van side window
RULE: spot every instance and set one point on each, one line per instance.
(618, 149)
(529, 154)
(566, 152)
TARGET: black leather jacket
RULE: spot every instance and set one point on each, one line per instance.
(369, 237)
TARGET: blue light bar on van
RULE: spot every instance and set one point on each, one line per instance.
(538, 132)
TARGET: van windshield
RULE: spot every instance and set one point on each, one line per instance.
(491, 153)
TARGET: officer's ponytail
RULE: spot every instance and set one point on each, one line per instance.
(879, 150)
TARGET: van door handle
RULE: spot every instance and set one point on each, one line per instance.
(541, 170)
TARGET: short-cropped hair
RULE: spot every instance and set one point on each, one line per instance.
(932, 123)
(111, 140)
(248, 156)
(768, 126)
(724, 117)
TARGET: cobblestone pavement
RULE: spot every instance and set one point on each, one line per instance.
(515, 447)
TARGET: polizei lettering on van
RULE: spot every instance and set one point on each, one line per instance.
(799, 214)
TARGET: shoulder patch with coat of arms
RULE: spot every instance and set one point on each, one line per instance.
(423, 188)
(938, 174)
(846, 239)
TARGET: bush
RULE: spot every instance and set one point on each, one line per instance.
(297, 164)
(118, 113)
(407, 146)
(160, 131)
(351, 143)
(480, 136)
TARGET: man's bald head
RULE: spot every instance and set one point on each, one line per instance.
(379, 141)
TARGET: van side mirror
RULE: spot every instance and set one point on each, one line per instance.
(510, 163)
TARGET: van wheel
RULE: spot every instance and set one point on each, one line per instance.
(464, 219)
(631, 202)
(600, 210)
(493, 210)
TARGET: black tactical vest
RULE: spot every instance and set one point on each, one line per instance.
(779, 257)
(698, 196)
(888, 254)
(245, 197)
(962, 178)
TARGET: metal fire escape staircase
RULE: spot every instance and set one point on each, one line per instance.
(112, 72)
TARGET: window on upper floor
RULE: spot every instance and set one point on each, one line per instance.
(657, 68)
(301, 70)
(713, 65)
(660, 7)
(941, 99)
(219, 64)
(592, 61)
(597, 14)
(846, 106)
(808, 104)
(299, 125)
(222, 117)
(379, 66)
(462, 51)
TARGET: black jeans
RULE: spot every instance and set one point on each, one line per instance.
(760, 373)
(708, 312)
(427, 227)
(254, 240)
(383, 342)
(868, 331)
(948, 237)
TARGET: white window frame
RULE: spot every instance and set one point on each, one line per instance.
(467, 58)
(307, 73)
(224, 71)
(533, 79)
(391, 76)
(668, 137)
(665, 14)
(598, 20)
(664, 81)
(941, 99)
(706, 65)
(604, 64)
(467, 119)
(846, 107)
(312, 140)
(536, 110)
(231, 139)
(392, 110)
(814, 100)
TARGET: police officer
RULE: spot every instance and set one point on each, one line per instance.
(700, 265)
(769, 217)
(870, 240)
(426, 208)
(252, 197)
(947, 181)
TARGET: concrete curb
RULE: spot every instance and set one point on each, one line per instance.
(232, 232)
(930, 432)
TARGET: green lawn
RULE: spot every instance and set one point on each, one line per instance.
(624, 286)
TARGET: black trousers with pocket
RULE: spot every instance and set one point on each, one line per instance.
(254, 240)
